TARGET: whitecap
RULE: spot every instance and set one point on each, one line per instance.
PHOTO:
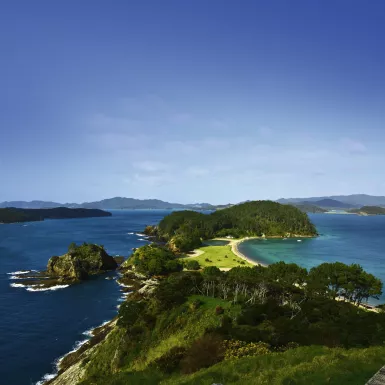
(78, 345)
(140, 234)
(130, 233)
(143, 240)
(45, 378)
(89, 332)
(17, 285)
(21, 272)
(57, 287)
(123, 285)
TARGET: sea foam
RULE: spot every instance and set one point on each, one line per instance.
(52, 288)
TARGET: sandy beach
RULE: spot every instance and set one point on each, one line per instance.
(234, 248)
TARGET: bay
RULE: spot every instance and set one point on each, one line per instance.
(344, 238)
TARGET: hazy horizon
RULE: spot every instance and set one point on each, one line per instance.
(191, 101)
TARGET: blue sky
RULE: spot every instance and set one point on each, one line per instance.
(187, 101)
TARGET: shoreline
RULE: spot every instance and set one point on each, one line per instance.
(234, 243)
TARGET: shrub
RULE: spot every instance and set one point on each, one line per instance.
(193, 265)
(238, 349)
(170, 361)
(129, 313)
(195, 304)
(219, 310)
(204, 352)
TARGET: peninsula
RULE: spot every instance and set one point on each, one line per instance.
(12, 214)
(183, 322)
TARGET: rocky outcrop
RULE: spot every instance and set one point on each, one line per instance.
(81, 262)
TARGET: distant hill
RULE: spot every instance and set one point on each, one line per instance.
(309, 208)
(328, 204)
(355, 200)
(31, 205)
(12, 214)
(112, 203)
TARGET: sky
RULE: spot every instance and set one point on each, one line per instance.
(191, 101)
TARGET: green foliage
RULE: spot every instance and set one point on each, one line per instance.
(314, 365)
(155, 260)
(211, 273)
(340, 280)
(204, 352)
(129, 313)
(246, 219)
(192, 265)
(237, 349)
(170, 361)
(184, 242)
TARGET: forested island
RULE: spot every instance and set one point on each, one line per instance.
(308, 208)
(12, 215)
(369, 210)
(185, 230)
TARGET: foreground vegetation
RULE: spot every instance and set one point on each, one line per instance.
(275, 325)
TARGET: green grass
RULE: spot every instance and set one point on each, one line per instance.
(314, 365)
(217, 256)
(182, 325)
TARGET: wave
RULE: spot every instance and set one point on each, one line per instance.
(130, 233)
(143, 240)
(141, 235)
(89, 332)
(57, 287)
(45, 378)
(22, 272)
(123, 285)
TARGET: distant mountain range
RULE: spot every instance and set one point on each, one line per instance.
(339, 201)
(112, 203)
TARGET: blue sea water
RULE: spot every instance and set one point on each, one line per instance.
(345, 238)
(38, 327)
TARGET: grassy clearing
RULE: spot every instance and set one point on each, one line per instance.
(220, 256)
(302, 366)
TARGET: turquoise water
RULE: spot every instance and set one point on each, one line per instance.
(345, 238)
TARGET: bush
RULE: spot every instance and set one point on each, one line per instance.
(193, 265)
(204, 352)
(238, 349)
(195, 304)
(129, 313)
(170, 361)
(219, 310)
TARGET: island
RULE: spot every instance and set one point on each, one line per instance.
(185, 230)
(12, 214)
(78, 264)
(369, 210)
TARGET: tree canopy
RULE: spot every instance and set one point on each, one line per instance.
(184, 229)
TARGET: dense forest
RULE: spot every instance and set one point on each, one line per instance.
(11, 214)
(183, 230)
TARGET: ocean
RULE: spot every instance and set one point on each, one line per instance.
(36, 328)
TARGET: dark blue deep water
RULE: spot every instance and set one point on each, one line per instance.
(345, 238)
(38, 327)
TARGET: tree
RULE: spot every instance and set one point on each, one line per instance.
(192, 265)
